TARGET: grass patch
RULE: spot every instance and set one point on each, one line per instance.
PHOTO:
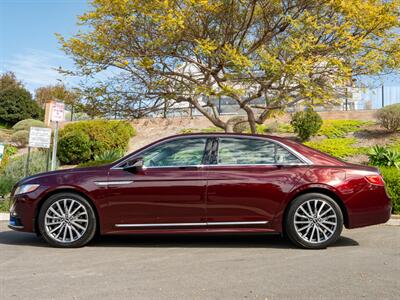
(338, 147)
(340, 128)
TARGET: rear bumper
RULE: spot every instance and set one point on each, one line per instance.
(369, 208)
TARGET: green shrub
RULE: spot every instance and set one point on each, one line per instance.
(392, 180)
(339, 128)
(204, 130)
(109, 155)
(16, 166)
(340, 147)
(306, 123)
(94, 163)
(389, 117)
(14, 170)
(6, 185)
(74, 148)
(103, 135)
(383, 157)
(28, 123)
(5, 205)
(8, 152)
(20, 138)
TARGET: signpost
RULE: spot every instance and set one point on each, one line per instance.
(38, 138)
(57, 115)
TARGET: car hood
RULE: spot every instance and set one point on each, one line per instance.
(43, 176)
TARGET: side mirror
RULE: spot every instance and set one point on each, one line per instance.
(134, 165)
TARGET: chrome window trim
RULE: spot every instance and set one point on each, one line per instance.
(191, 224)
(301, 157)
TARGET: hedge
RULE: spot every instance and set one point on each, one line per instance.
(391, 176)
(97, 136)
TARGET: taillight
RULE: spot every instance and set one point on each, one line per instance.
(375, 179)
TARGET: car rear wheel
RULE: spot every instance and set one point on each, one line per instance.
(314, 221)
(67, 220)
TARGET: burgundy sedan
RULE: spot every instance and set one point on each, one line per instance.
(205, 183)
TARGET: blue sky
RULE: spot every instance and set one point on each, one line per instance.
(29, 48)
(28, 45)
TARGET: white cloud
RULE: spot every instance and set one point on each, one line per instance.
(36, 68)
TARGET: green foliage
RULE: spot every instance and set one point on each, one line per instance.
(389, 117)
(16, 167)
(74, 147)
(285, 128)
(204, 130)
(384, 157)
(5, 205)
(16, 104)
(306, 123)
(8, 152)
(339, 147)
(94, 163)
(20, 138)
(109, 155)
(392, 181)
(100, 136)
(6, 185)
(28, 123)
(339, 128)
(276, 50)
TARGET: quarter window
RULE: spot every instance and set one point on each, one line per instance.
(180, 152)
(241, 151)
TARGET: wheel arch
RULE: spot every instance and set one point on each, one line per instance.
(319, 190)
(65, 190)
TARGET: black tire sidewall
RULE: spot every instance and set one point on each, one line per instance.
(290, 227)
(85, 238)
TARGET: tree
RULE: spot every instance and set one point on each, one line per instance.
(265, 55)
(56, 92)
(8, 81)
(16, 102)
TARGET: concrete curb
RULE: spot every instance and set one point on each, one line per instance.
(394, 219)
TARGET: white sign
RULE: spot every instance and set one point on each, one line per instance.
(57, 112)
(39, 137)
(1, 151)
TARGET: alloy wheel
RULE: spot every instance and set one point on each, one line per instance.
(66, 220)
(315, 221)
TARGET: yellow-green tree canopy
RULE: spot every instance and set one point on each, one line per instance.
(284, 51)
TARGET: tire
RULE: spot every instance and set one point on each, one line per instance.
(67, 220)
(314, 221)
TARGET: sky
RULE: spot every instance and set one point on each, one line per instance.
(28, 45)
(29, 48)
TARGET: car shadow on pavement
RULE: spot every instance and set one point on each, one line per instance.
(184, 241)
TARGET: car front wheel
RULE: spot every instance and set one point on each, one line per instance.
(67, 220)
(314, 221)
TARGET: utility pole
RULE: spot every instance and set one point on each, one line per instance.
(383, 95)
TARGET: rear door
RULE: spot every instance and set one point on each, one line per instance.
(247, 180)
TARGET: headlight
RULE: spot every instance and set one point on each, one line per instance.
(26, 188)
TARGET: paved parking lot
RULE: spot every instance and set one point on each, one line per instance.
(365, 263)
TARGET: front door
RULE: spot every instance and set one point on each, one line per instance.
(169, 191)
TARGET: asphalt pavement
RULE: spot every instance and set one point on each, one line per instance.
(363, 264)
